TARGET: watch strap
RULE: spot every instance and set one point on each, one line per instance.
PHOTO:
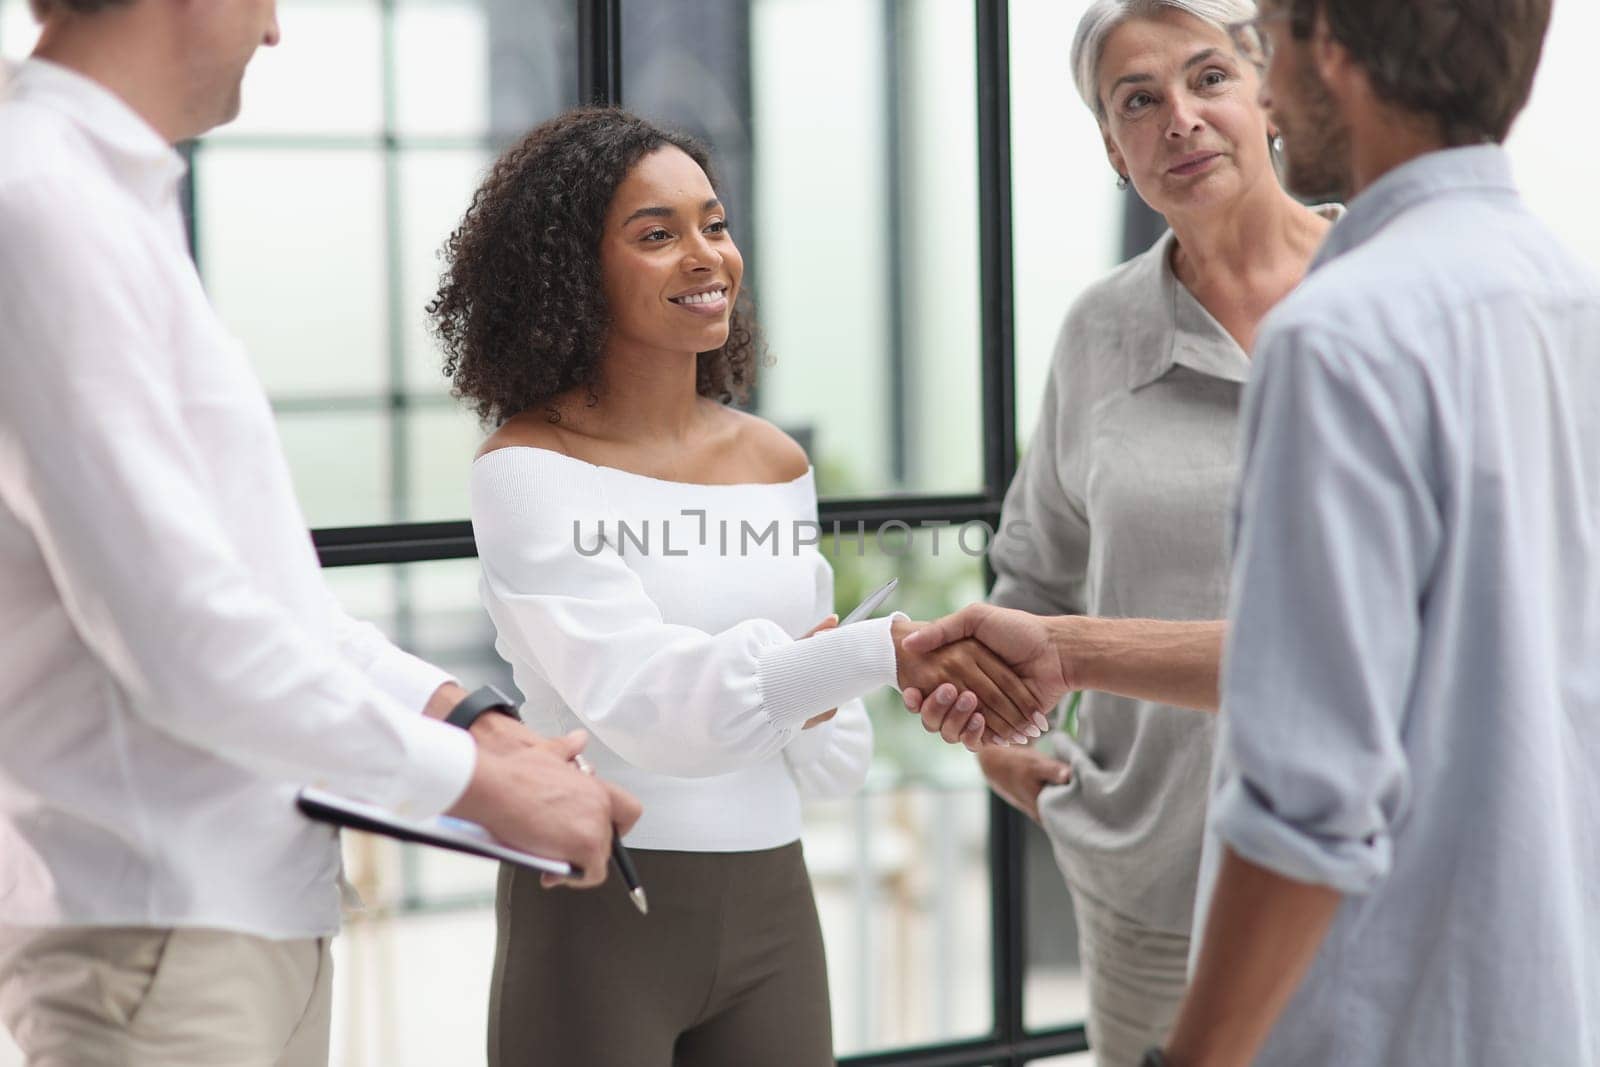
(483, 699)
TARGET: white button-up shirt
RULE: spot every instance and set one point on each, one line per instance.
(172, 665)
(1411, 699)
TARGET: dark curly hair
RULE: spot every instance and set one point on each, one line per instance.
(520, 311)
(1466, 64)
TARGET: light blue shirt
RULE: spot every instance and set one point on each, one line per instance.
(1411, 696)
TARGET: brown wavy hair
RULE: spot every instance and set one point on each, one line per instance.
(520, 311)
(1466, 64)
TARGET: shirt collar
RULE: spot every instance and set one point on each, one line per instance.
(1158, 330)
(1178, 330)
(144, 160)
(1447, 171)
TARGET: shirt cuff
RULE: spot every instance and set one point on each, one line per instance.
(807, 677)
(409, 680)
(438, 764)
(1244, 819)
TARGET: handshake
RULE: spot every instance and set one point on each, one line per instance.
(983, 676)
(948, 667)
(979, 664)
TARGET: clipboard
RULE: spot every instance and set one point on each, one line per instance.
(442, 831)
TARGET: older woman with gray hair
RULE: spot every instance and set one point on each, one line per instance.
(1126, 486)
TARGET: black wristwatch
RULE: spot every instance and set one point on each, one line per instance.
(484, 699)
(1154, 1057)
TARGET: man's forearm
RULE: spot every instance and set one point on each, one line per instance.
(1148, 659)
(1262, 932)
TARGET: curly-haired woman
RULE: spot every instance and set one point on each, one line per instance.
(649, 561)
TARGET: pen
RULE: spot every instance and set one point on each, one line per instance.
(619, 854)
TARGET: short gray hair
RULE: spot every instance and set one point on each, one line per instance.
(1104, 16)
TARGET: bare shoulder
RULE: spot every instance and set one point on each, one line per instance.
(779, 456)
(527, 430)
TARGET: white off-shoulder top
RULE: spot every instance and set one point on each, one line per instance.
(663, 618)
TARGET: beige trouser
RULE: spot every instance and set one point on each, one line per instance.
(1136, 978)
(143, 997)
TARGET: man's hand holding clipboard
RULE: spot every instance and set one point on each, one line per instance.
(527, 803)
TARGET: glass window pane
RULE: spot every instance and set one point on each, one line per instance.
(906, 919)
(325, 76)
(854, 201)
(902, 886)
(935, 197)
(340, 463)
(1068, 212)
(291, 247)
(1558, 181)
(822, 266)
(483, 68)
(435, 189)
(435, 1012)
(441, 442)
(318, 238)
(444, 49)
(18, 30)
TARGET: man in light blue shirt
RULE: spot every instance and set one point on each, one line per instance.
(1403, 854)
(1411, 689)
(1404, 834)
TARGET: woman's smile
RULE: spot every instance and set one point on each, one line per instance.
(707, 300)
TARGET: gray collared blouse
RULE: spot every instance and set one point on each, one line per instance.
(1125, 495)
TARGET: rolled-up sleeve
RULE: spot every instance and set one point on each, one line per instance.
(1337, 528)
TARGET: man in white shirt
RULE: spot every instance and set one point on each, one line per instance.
(172, 666)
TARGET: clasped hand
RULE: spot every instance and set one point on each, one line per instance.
(1017, 646)
(987, 699)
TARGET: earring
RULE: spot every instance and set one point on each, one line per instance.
(1122, 181)
(1277, 143)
